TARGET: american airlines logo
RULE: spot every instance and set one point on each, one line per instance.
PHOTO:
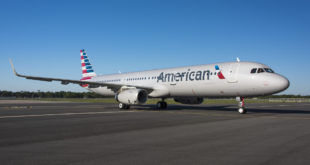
(189, 75)
(219, 74)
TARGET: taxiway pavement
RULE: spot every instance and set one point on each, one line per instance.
(96, 133)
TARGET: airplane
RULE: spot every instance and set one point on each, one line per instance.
(186, 85)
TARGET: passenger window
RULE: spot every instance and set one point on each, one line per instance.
(260, 70)
(253, 70)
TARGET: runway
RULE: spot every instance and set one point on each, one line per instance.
(97, 133)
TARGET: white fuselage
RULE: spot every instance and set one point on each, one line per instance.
(187, 85)
(200, 81)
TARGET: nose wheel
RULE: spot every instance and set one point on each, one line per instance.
(241, 109)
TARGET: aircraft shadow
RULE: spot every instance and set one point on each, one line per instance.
(223, 108)
(279, 111)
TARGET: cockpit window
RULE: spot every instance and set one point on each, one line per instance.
(269, 70)
(253, 70)
(260, 70)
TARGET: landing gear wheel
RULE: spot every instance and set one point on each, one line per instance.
(161, 105)
(242, 111)
(123, 106)
(164, 105)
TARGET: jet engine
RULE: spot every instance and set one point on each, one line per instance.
(189, 100)
(132, 96)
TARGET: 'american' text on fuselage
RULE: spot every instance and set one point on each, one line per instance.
(184, 76)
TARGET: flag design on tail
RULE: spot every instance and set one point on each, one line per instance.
(87, 69)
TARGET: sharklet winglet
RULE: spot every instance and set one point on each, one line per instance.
(13, 68)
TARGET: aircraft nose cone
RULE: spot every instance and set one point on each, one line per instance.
(281, 83)
(284, 83)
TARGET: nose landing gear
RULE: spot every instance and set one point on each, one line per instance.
(241, 109)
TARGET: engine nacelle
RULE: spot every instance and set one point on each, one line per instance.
(132, 96)
(189, 100)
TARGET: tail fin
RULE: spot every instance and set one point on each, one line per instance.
(87, 69)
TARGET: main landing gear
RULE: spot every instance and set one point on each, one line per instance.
(161, 104)
(123, 106)
(241, 109)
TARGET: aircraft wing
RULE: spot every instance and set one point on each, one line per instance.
(92, 84)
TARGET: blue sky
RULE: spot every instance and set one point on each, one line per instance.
(44, 37)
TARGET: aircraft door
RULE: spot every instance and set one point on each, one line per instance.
(233, 73)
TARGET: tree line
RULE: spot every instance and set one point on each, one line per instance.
(67, 94)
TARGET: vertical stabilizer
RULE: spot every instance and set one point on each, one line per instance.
(87, 68)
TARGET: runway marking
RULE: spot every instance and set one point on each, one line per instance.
(65, 114)
(18, 107)
(265, 106)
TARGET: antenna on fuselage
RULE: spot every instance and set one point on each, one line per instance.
(238, 60)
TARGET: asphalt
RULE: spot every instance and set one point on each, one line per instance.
(84, 133)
